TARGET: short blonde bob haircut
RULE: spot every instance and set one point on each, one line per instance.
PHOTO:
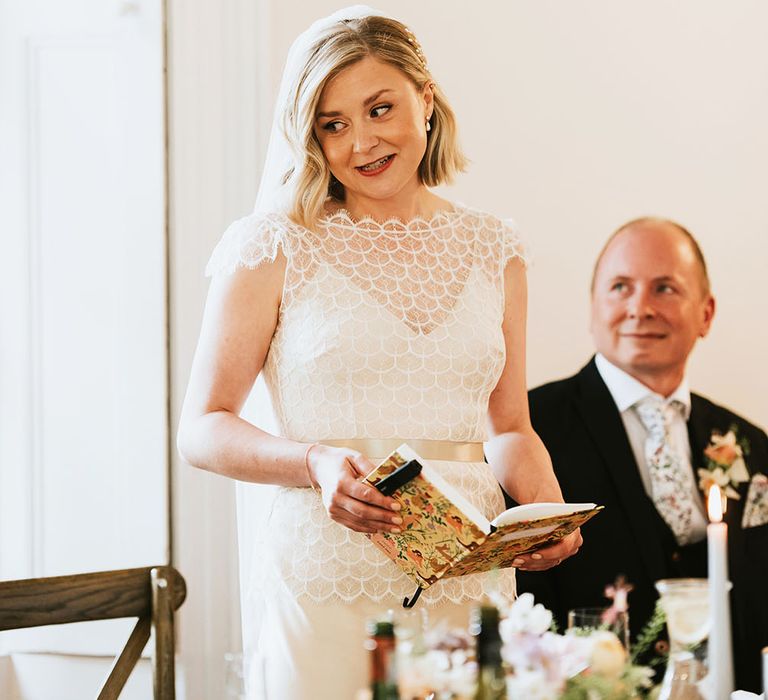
(310, 182)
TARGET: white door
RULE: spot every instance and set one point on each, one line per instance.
(83, 436)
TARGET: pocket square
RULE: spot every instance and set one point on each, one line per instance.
(756, 506)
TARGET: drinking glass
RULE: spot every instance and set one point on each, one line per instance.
(584, 621)
(685, 602)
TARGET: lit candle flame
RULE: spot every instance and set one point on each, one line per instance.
(715, 504)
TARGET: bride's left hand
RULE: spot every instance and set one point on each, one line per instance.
(548, 557)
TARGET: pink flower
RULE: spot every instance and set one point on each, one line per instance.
(617, 594)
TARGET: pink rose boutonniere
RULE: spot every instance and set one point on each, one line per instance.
(725, 466)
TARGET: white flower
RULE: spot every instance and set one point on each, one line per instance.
(725, 459)
(608, 656)
(543, 663)
(640, 676)
(727, 440)
(568, 654)
(556, 656)
(525, 617)
(532, 685)
(738, 471)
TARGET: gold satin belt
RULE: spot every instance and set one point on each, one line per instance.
(440, 450)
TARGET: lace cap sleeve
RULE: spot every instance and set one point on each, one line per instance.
(512, 245)
(248, 242)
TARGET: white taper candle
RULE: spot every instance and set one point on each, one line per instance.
(720, 654)
(765, 673)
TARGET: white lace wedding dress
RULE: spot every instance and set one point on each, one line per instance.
(385, 331)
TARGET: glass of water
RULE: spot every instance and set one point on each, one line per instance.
(584, 621)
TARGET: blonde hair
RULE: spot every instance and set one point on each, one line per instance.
(310, 182)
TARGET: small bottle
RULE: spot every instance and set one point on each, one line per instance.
(491, 683)
(381, 644)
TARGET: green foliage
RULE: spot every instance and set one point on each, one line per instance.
(633, 683)
(741, 441)
(648, 636)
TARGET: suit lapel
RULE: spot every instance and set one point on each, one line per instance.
(700, 426)
(609, 436)
(698, 438)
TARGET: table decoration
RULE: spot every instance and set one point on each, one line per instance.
(686, 605)
(720, 654)
(549, 666)
(540, 663)
(584, 621)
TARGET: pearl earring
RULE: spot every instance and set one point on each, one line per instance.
(429, 126)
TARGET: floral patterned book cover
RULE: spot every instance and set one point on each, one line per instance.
(444, 535)
(521, 537)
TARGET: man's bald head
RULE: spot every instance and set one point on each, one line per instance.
(646, 222)
(650, 301)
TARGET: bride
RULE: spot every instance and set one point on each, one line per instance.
(378, 313)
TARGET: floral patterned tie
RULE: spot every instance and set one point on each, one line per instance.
(672, 482)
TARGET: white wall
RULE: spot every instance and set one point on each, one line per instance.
(83, 434)
(68, 677)
(213, 63)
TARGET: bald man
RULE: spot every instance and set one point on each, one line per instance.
(627, 433)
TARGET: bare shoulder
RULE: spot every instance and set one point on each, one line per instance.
(252, 291)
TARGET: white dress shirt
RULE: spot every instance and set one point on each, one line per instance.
(626, 392)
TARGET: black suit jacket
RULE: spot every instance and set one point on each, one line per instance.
(579, 423)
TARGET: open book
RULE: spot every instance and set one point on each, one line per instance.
(444, 535)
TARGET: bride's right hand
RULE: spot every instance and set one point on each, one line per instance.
(348, 500)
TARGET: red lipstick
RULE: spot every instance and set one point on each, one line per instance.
(371, 172)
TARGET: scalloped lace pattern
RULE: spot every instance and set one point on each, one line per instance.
(386, 330)
(314, 557)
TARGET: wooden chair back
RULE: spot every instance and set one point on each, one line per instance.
(151, 594)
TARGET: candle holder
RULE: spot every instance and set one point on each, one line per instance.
(685, 602)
